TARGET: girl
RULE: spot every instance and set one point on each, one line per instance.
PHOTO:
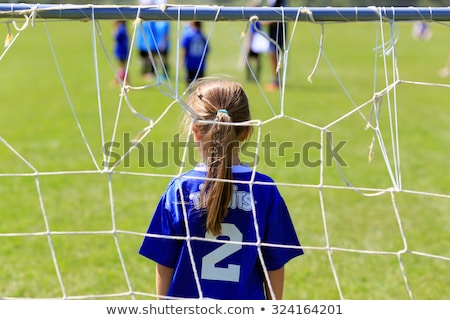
(221, 220)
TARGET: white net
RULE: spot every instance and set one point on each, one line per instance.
(355, 137)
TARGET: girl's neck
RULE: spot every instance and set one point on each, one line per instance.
(236, 160)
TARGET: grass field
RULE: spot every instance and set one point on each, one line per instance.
(37, 120)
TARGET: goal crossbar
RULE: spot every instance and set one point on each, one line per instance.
(218, 13)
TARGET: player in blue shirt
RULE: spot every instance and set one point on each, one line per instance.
(214, 238)
(162, 37)
(146, 45)
(121, 47)
(195, 51)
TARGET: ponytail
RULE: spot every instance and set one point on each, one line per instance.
(224, 103)
(217, 193)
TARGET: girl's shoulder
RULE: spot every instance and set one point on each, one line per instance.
(263, 177)
(240, 172)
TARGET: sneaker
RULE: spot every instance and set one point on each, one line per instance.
(162, 78)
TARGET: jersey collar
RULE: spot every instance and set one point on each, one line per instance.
(241, 168)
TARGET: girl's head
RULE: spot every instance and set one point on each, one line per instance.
(196, 25)
(220, 106)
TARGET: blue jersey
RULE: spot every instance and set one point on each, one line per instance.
(146, 36)
(162, 30)
(121, 37)
(224, 270)
(196, 48)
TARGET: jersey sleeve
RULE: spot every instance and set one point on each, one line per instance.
(166, 221)
(279, 231)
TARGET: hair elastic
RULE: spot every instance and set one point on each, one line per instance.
(222, 111)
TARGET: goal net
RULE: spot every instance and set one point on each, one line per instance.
(355, 136)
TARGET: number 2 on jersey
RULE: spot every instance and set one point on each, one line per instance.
(232, 271)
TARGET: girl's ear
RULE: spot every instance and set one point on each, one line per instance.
(196, 132)
(246, 133)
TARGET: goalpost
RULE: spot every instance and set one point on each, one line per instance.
(355, 138)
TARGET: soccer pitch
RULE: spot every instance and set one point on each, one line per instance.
(357, 246)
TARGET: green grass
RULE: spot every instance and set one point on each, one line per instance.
(37, 121)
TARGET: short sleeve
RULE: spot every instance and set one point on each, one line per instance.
(165, 222)
(279, 231)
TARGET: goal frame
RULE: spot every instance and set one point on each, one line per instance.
(224, 13)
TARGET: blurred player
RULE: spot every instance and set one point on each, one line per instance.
(121, 48)
(195, 49)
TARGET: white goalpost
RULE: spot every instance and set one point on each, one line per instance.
(355, 138)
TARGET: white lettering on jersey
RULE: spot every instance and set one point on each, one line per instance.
(240, 199)
(230, 272)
